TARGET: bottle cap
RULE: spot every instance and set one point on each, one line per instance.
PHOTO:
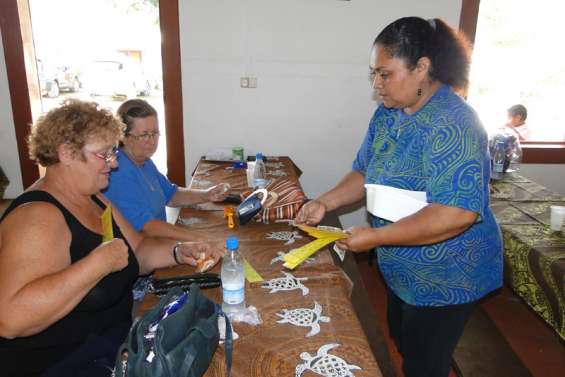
(232, 243)
(259, 156)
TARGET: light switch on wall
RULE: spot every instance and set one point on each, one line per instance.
(248, 82)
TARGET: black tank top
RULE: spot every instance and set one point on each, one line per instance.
(107, 306)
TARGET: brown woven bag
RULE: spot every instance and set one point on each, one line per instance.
(284, 201)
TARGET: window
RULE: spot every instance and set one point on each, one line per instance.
(515, 61)
(109, 64)
(18, 50)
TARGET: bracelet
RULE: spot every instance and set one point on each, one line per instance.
(175, 248)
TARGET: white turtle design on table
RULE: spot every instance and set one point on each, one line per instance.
(287, 283)
(325, 364)
(277, 173)
(189, 221)
(304, 317)
(275, 165)
(287, 236)
(200, 183)
(281, 254)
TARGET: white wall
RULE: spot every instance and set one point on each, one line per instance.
(313, 101)
(9, 159)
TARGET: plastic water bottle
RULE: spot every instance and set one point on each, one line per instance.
(259, 172)
(233, 278)
(498, 157)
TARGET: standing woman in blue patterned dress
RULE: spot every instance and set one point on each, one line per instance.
(438, 262)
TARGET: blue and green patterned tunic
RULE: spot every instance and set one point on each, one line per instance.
(442, 150)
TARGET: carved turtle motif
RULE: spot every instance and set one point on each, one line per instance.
(325, 364)
(289, 237)
(304, 317)
(281, 254)
(274, 165)
(278, 173)
(196, 182)
(189, 221)
(287, 283)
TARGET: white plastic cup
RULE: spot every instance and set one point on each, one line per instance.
(557, 217)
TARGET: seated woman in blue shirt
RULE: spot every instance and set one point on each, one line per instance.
(138, 189)
(440, 260)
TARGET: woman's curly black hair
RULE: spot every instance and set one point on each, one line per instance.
(411, 38)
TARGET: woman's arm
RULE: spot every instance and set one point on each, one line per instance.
(157, 252)
(433, 223)
(159, 228)
(38, 283)
(185, 197)
(349, 190)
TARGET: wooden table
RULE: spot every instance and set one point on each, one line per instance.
(273, 348)
(534, 256)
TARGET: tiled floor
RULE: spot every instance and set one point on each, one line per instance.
(535, 344)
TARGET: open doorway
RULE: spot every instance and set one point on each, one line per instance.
(105, 51)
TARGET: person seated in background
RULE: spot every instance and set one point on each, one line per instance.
(65, 292)
(138, 189)
(516, 123)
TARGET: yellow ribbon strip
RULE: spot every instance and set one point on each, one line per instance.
(107, 230)
(323, 233)
(324, 237)
(251, 275)
(297, 256)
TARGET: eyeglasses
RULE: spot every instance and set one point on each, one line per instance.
(146, 136)
(108, 156)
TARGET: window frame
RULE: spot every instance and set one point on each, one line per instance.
(533, 152)
(17, 38)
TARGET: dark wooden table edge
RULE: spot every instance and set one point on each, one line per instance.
(365, 312)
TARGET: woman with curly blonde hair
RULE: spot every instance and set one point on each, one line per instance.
(65, 294)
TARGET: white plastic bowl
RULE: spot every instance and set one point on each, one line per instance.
(392, 203)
